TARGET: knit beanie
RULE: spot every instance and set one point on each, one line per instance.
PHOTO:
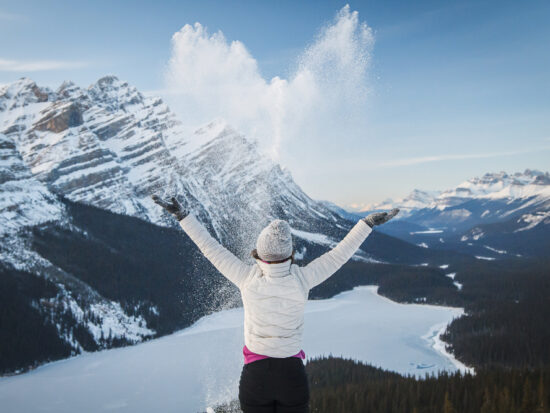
(275, 241)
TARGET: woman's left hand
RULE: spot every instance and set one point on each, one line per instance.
(379, 218)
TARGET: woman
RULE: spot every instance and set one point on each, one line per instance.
(274, 292)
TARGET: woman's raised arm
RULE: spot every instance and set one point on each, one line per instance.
(225, 262)
(327, 264)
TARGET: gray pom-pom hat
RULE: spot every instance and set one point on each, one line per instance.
(275, 242)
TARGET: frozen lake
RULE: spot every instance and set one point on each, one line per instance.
(200, 366)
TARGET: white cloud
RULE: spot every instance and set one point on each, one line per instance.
(439, 158)
(7, 65)
(324, 97)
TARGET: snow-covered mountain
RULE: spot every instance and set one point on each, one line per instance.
(112, 147)
(416, 200)
(352, 216)
(525, 185)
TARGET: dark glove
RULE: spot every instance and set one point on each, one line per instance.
(172, 206)
(380, 217)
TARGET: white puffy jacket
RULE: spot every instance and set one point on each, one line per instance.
(274, 295)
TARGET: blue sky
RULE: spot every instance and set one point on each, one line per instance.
(452, 89)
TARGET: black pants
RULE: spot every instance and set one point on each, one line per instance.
(274, 385)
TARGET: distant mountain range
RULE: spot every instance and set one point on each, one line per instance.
(490, 217)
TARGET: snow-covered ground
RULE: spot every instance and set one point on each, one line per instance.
(200, 366)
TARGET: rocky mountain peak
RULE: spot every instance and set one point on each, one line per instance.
(68, 90)
(114, 94)
(530, 172)
(107, 81)
(23, 92)
(542, 179)
(498, 180)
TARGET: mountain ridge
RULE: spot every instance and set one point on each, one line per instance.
(492, 185)
(490, 217)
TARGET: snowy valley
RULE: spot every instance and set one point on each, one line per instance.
(200, 366)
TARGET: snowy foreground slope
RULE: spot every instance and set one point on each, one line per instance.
(200, 366)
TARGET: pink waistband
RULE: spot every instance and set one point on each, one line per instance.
(250, 356)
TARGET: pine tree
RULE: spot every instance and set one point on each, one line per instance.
(504, 404)
(447, 405)
(487, 406)
(542, 403)
(527, 405)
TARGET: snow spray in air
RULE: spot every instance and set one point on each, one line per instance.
(321, 102)
(324, 97)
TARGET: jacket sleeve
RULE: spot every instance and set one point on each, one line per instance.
(327, 264)
(225, 262)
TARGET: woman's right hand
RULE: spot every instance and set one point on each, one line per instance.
(172, 206)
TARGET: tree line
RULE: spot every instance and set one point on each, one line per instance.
(345, 386)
